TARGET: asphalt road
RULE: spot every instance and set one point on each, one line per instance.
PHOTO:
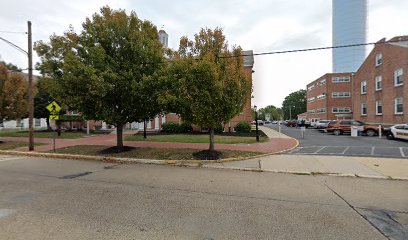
(68, 199)
(316, 142)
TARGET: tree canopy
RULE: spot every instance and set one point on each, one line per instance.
(294, 104)
(109, 70)
(206, 81)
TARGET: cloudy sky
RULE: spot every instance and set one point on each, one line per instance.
(260, 25)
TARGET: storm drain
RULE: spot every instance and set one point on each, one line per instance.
(72, 176)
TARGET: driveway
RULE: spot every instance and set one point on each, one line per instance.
(316, 142)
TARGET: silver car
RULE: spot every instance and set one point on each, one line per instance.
(321, 124)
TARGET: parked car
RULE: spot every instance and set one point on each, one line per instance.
(303, 123)
(275, 122)
(322, 124)
(291, 123)
(313, 122)
(267, 122)
(344, 127)
(397, 131)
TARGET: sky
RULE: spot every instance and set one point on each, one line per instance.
(258, 25)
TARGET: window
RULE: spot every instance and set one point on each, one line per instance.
(378, 59)
(312, 99)
(37, 122)
(378, 108)
(398, 77)
(364, 109)
(312, 111)
(310, 87)
(363, 87)
(340, 79)
(341, 110)
(321, 96)
(340, 94)
(321, 110)
(378, 83)
(322, 82)
(399, 108)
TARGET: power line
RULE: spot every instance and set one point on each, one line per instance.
(14, 45)
(13, 32)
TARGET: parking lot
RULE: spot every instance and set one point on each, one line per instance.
(316, 142)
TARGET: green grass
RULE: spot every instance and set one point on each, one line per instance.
(191, 138)
(149, 153)
(13, 145)
(43, 134)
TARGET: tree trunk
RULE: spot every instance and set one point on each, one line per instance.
(144, 129)
(212, 148)
(119, 136)
(47, 120)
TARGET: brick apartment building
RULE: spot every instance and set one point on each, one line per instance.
(329, 97)
(379, 92)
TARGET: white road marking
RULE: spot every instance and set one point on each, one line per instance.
(372, 151)
(345, 150)
(319, 150)
(9, 158)
(402, 152)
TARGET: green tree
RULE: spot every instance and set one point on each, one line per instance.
(206, 80)
(107, 72)
(271, 110)
(11, 66)
(13, 95)
(41, 101)
(294, 104)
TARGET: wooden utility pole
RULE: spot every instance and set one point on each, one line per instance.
(30, 89)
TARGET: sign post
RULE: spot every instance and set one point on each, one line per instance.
(54, 110)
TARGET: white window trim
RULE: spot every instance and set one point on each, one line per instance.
(345, 110)
(378, 56)
(361, 87)
(364, 114)
(376, 108)
(395, 77)
(395, 106)
(378, 79)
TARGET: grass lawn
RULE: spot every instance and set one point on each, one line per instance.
(195, 138)
(148, 153)
(13, 145)
(44, 134)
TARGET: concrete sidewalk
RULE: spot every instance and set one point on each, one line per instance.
(386, 168)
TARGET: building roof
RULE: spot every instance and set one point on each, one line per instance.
(401, 41)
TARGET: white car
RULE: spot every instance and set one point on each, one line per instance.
(398, 131)
(321, 124)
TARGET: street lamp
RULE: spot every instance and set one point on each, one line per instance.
(290, 112)
(256, 124)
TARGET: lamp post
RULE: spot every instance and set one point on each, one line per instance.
(256, 124)
(290, 112)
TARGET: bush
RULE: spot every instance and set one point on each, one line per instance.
(171, 127)
(186, 127)
(219, 129)
(243, 127)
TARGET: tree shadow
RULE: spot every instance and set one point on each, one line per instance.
(207, 155)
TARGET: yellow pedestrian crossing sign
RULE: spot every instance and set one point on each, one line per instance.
(54, 108)
(54, 117)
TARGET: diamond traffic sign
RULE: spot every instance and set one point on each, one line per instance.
(54, 108)
(54, 117)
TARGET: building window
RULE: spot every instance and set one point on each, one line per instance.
(340, 94)
(378, 83)
(321, 96)
(364, 109)
(399, 107)
(312, 111)
(312, 99)
(341, 110)
(340, 79)
(363, 87)
(378, 108)
(310, 87)
(321, 110)
(37, 122)
(378, 59)
(398, 77)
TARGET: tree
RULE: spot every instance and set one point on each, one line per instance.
(108, 71)
(13, 95)
(208, 85)
(271, 110)
(294, 104)
(42, 100)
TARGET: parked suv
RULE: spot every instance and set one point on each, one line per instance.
(344, 126)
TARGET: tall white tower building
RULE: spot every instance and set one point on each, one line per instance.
(349, 22)
(164, 38)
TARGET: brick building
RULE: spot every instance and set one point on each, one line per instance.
(379, 92)
(329, 97)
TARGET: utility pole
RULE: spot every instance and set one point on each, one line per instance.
(30, 89)
(290, 113)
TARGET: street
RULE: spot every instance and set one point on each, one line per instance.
(316, 142)
(70, 199)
